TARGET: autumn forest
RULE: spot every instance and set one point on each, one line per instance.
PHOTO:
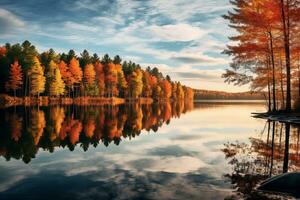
(266, 49)
(149, 99)
(26, 73)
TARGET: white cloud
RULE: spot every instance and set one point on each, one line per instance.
(9, 22)
(80, 27)
(198, 59)
(90, 4)
(175, 32)
(181, 10)
(81, 170)
(117, 20)
(132, 58)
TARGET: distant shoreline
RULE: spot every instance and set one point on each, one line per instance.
(221, 95)
(229, 101)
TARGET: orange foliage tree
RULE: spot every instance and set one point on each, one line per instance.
(53, 74)
(76, 73)
(2, 51)
(267, 35)
(15, 77)
(66, 75)
(167, 88)
(111, 79)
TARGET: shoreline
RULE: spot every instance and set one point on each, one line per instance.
(9, 101)
(291, 118)
(229, 101)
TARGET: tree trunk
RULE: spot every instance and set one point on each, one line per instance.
(281, 84)
(26, 85)
(269, 89)
(273, 71)
(286, 150)
(286, 34)
(299, 77)
(272, 152)
(29, 87)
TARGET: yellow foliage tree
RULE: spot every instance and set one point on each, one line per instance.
(57, 86)
(37, 125)
(122, 83)
(36, 77)
(136, 83)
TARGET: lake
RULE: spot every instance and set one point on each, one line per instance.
(205, 150)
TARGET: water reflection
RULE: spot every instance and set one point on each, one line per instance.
(274, 152)
(182, 160)
(26, 129)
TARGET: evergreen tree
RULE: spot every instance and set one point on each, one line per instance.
(106, 59)
(71, 54)
(117, 60)
(85, 58)
(95, 58)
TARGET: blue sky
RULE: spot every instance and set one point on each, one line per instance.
(183, 38)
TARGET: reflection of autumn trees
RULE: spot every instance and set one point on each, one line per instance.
(37, 125)
(16, 127)
(274, 152)
(57, 117)
(29, 129)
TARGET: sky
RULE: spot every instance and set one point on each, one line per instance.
(183, 38)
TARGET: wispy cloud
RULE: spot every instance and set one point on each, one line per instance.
(133, 29)
(176, 32)
(193, 58)
(9, 23)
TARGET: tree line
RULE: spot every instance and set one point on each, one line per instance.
(266, 49)
(25, 72)
(219, 95)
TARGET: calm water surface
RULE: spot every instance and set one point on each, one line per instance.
(169, 151)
